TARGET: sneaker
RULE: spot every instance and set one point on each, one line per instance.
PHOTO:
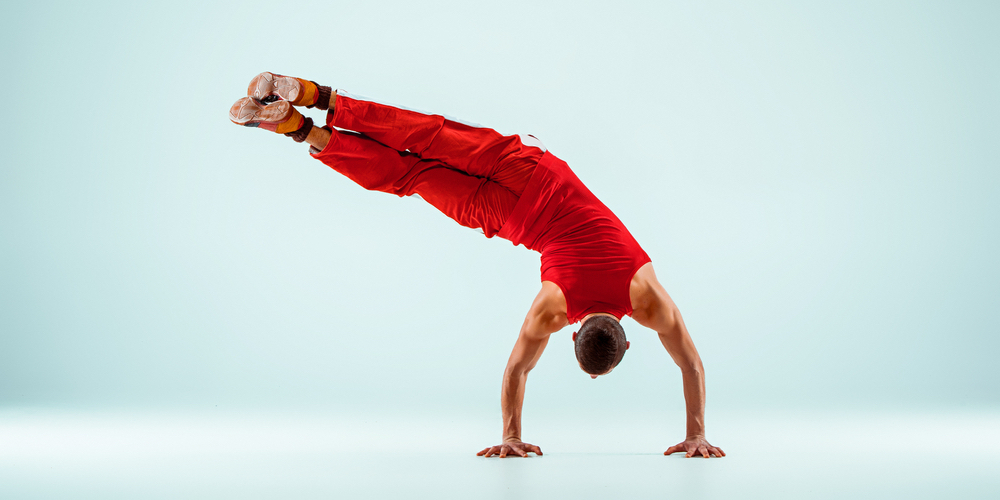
(278, 116)
(267, 87)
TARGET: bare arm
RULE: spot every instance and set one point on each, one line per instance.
(522, 359)
(653, 308)
(544, 318)
(675, 338)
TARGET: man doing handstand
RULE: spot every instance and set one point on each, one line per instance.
(593, 270)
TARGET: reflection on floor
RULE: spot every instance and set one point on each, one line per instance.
(48, 454)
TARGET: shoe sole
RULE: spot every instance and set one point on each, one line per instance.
(268, 84)
(251, 113)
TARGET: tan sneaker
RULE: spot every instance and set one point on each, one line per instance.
(278, 116)
(266, 86)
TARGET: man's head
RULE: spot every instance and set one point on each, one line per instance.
(600, 344)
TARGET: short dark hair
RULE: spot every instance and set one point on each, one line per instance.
(600, 344)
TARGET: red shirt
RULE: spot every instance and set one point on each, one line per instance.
(585, 249)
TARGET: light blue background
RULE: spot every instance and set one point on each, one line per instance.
(815, 183)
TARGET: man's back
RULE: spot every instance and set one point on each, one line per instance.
(586, 250)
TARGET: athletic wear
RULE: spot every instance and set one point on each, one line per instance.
(585, 249)
(472, 174)
(506, 185)
(278, 116)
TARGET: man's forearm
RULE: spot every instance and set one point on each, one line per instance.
(511, 399)
(694, 400)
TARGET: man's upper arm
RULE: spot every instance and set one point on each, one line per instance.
(527, 351)
(659, 313)
(544, 318)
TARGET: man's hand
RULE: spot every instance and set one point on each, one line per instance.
(518, 448)
(694, 447)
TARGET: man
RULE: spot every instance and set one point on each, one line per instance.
(593, 270)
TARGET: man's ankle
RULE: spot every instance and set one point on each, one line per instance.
(324, 99)
(302, 133)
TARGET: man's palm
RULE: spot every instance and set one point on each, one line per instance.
(694, 447)
(517, 448)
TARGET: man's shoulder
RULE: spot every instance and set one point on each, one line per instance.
(551, 298)
(549, 307)
(644, 290)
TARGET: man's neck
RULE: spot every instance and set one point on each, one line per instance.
(591, 315)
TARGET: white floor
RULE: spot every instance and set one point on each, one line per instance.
(53, 454)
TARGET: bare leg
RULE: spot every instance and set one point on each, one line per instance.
(318, 138)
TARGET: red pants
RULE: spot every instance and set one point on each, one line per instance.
(472, 174)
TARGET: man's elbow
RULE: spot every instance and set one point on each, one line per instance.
(516, 371)
(692, 368)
